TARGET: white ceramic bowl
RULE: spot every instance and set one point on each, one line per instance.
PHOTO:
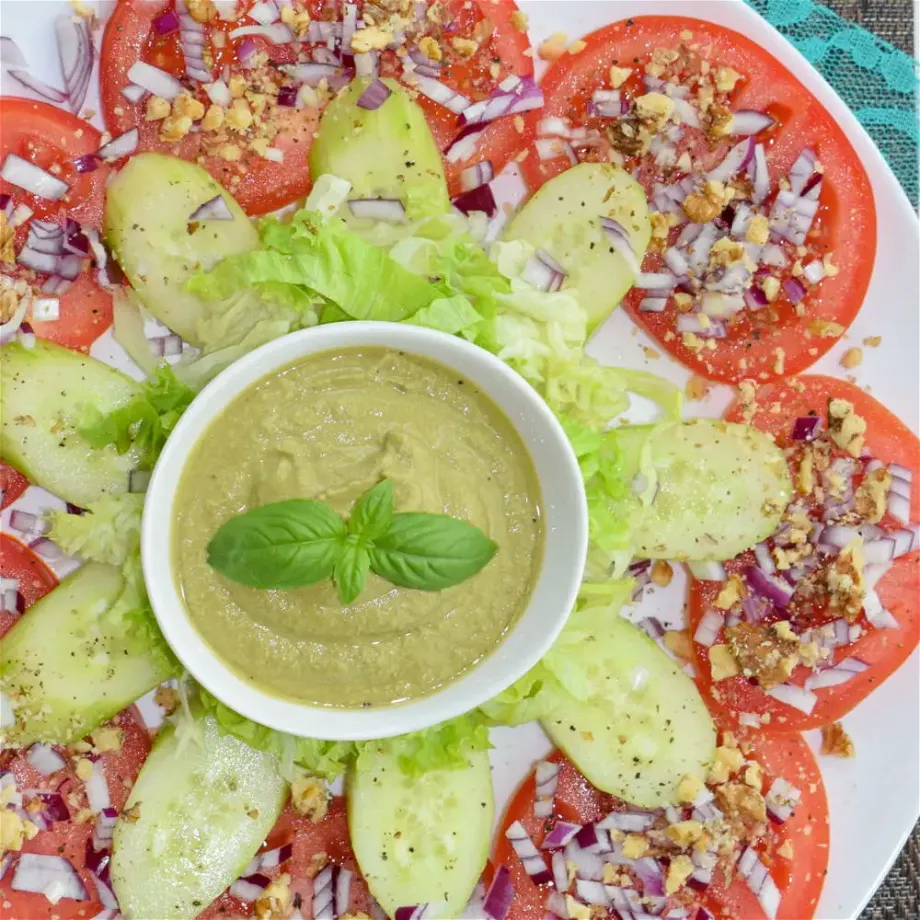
(565, 540)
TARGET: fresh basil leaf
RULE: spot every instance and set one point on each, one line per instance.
(373, 512)
(430, 551)
(350, 572)
(283, 545)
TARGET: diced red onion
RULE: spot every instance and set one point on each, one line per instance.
(166, 23)
(476, 175)
(806, 428)
(32, 178)
(899, 507)
(219, 93)
(746, 122)
(45, 759)
(653, 304)
(390, 210)
(122, 146)
(561, 833)
(250, 889)
(802, 170)
(543, 272)
(497, 901)
(797, 697)
(629, 822)
(533, 863)
(689, 322)
(367, 64)
(774, 589)
(40, 874)
(215, 208)
(764, 558)
(48, 93)
(374, 96)
(264, 13)
(277, 33)
(813, 272)
(106, 897)
(464, 145)
(75, 47)
(323, 889)
(312, 73)
(879, 551)
(193, 37)
(845, 671)
(620, 241)
(553, 126)
(592, 892)
(27, 523)
(707, 630)
(593, 838)
(477, 199)
(655, 281)
(97, 788)
(525, 96)
(736, 160)
(442, 94)
(547, 778)
(781, 800)
(560, 871)
(587, 864)
(343, 880)
(876, 614)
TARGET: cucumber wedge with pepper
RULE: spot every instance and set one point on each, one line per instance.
(564, 219)
(643, 725)
(714, 489)
(200, 809)
(45, 390)
(420, 839)
(149, 207)
(75, 659)
(387, 152)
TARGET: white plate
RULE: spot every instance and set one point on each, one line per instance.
(874, 799)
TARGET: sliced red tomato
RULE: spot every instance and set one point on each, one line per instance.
(313, 846)
(885, 650)
(71, 839)
(51, 137)
(12, 484)
(261, 185)
(799, 879)
(19, 562)
(845, 225)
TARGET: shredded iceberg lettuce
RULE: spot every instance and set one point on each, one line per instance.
(109, 531)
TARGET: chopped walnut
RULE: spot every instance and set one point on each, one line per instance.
(619, 75)
(743, 805)
(685, 833)
(202, 10)
(107, 738)
(844, 580)
(520, 20)
(213, 119)
(463, 46)
(701, 208)
(430, 48)
(157, 109)
(731, 593)
(689, 787)
(726, 78)
(835, 742)
(872, 495)
(680, 869)
(188, 106)
(846, 428)
(174, 129)
(762, 654)
(722, 663)
(167, 699)
(14, 830)
(680, 643)
(720, 119)
(635, 846)
(851, 358)
(661, 574)
(310, 797)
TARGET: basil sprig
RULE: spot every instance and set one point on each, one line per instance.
(297, 543)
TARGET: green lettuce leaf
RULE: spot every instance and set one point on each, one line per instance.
(441, 747)
(109, 531)
(145, 422)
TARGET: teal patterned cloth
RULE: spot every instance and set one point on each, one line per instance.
(876, 80)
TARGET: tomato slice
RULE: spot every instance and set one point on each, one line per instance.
(48, 137)
(51, 137)
(885, 650)
(799, 879)
(261, 185)
(313, 845)
(845, 225)
(71, 839)
(19, 562)
(12, 484)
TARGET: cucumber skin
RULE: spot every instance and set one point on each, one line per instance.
(641, 770)
(146, 225)
(188, 787)
(563, 218)
(48, 384)
(722, 488)
(383, 152)
(57, 645)
(397, 879)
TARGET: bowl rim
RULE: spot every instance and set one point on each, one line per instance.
(494, 673)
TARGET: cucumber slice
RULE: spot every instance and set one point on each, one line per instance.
(422, 839)
(563, 218)
(206, 804)
(644, 725)
(721, 488)
(67, 668)
(147, 210)
(384, 153)
(43, 389)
